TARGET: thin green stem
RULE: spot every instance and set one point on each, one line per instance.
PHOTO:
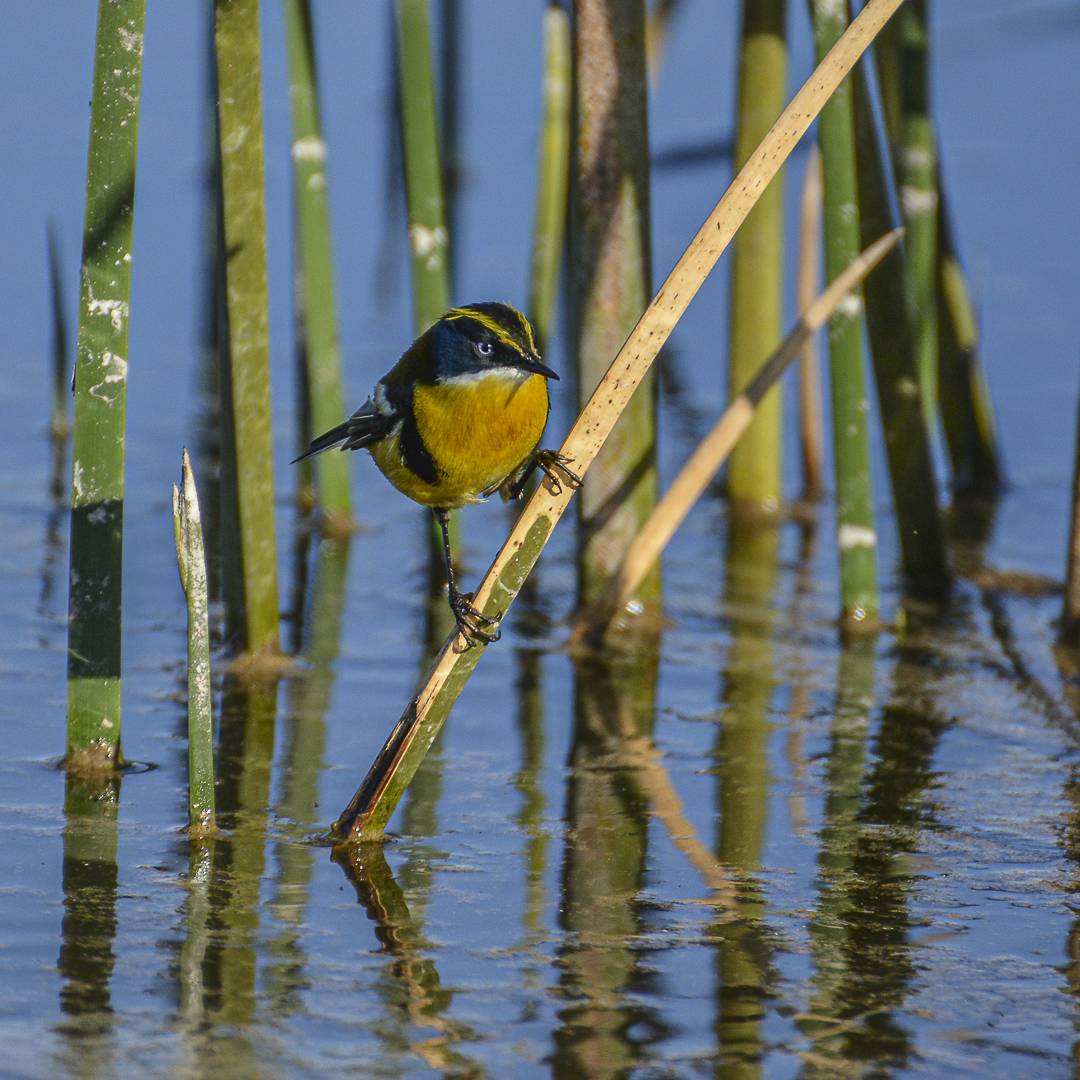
(318, 311)
(428, 238)
(856, 536)
(917, 169)
(97, 488)
(757, 267)
(253, 615)
(549, 229)
(907, 440)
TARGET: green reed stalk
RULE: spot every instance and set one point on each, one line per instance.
(549, 228)
(316, 292)
(428, 237)
(907, 440)
(246, 380)
(97, 466)
(58, 425)
(757, 267)
(916, 165)
(191, 560)
(856, 536)
(611, 260)
(967, 412)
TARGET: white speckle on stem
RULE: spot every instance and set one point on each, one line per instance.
(917, 201)
(316, 181)
(309, 148)
(428, 244)
(856, 536)
(117, 310)
(77, 479)
(851, 306)
(234, 140)
(131, 40)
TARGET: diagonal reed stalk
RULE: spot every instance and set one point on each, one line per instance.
(754, 477)
(191, 562)
(248, 460)
(97, 465)
(856, 535)
(549, 228)
(318, 311)
(714, 449)
(428, 237)
(369, 810)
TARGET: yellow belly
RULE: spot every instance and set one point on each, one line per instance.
(477, 432)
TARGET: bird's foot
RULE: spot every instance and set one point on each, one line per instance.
(555, 467)
(476, 627)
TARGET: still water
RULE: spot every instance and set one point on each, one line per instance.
(749, 853)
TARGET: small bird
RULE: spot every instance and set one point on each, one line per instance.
(457, 418)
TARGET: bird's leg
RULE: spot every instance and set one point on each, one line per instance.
(472, 623)
(554, 466)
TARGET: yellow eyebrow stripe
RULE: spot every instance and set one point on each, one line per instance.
(527, 330)
(488, 323)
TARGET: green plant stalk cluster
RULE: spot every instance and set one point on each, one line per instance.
(903, 421)
(856, 535)
(757, 268)
(191, 560)
(316, 292)
(97, 476)
(611, 264)
(246, 378)
(428, 237)
(549, 228)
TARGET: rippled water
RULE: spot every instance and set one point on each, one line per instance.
(752, 853)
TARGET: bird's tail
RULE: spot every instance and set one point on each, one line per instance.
(327, 441)
(366, 426)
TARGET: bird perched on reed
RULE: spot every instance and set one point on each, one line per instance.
(457, 418)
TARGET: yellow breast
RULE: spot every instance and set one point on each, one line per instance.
(477, 429)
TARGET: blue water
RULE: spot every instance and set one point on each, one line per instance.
(898, 827)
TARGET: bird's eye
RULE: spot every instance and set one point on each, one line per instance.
(484, 348)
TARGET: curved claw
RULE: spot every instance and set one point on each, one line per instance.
(472, 622)
(553, 463)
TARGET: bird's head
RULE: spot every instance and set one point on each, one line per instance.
(482, 338)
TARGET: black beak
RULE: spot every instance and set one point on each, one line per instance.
(533, 363)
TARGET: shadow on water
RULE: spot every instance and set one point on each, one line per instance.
(88, 931)
(605, 1027)
(225, 875)
(409, 984)
(741, 767)
(877, 803)
(308, 697)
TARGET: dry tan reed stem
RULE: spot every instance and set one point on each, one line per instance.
(369, 810)
(811, 428)
(713, 450)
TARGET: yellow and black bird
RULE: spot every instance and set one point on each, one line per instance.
(457, 418)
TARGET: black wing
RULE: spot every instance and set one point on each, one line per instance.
(373, 421)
